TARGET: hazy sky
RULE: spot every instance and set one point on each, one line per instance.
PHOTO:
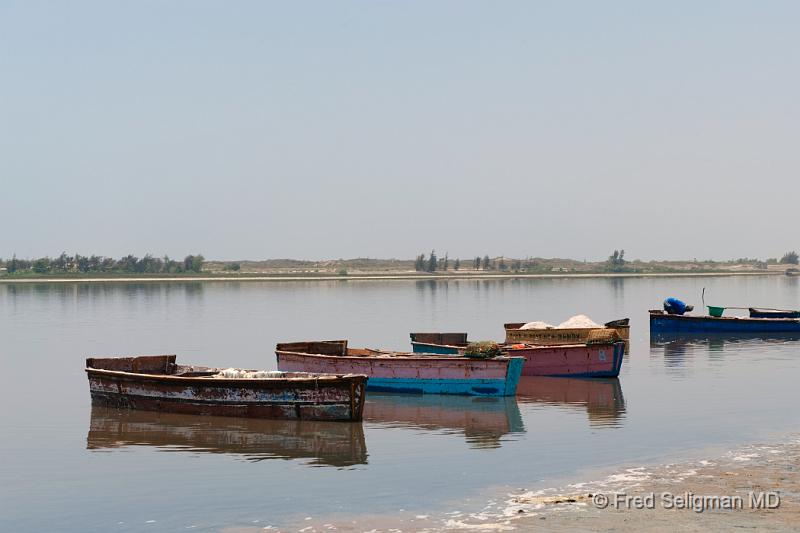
(385, 129)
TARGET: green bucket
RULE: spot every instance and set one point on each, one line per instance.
(715, 311)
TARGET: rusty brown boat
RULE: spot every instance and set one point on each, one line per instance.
(157, 383)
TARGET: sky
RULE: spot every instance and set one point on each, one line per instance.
(323, 130)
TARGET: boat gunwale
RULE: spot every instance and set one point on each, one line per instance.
(692, 318)
(269, 382)
(406, 356)
(508, 346)
(517, 326)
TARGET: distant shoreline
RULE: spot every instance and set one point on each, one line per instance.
(378, 277)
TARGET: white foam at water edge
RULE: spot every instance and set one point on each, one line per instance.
(455, 524)
(745, 457)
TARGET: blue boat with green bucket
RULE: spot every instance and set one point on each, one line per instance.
(759, 321)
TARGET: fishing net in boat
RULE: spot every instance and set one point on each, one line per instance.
(602, 336)
(482, 350)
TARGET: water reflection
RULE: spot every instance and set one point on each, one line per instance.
(324, 443)
(483, 421)
(93, 291)
(677, 349)
(602, 398)
(719, 339)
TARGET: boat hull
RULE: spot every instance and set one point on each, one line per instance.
(323, 398)
(416, 375)
(574, 360)
(661, 322)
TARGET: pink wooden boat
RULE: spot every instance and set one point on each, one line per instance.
(573, 360)
(590, 360)
(405, 372)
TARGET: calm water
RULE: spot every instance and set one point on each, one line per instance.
(67, 466)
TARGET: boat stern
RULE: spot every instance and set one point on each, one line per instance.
(513, 374)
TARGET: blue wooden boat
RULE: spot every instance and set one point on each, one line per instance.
(660, 321)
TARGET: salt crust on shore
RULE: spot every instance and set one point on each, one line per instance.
(771, 467)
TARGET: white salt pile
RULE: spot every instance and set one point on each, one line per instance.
(537, 325)
(238, 373)
(579, 321)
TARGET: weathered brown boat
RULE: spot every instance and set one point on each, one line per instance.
(157, 383)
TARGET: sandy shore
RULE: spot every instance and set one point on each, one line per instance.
(382, 277)
(720, 494)
(768, 471)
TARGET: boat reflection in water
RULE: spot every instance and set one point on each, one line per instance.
(602, 398)
(676, 348)
(484, 421)
(339, 444)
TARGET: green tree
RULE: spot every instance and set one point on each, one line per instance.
(457, 264)
(82, 263)
(61, 262)
(419, 263)
(42, 265)
(790, 258)
(616, 261)
(476, 263)
(13, 265)
(193, 263)
(432, 261)
(486, 262)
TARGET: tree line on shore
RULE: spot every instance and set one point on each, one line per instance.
(616, 262)
(433, 263)
(129, 264)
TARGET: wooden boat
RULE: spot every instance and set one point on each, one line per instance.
(556, 336)
(405, 372)
(601, 359)
(660, 321)
(156, 383)
(318, 443)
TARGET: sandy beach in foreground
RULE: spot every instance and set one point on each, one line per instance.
(759, 485)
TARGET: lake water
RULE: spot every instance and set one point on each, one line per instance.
(67, 466)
